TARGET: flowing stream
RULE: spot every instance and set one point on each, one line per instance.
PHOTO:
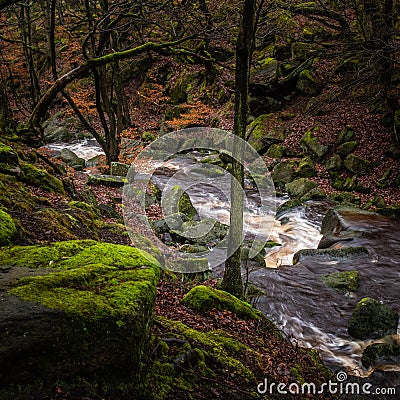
(296, 298)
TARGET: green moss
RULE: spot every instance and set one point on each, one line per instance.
(218, 345)
(346, 281)
(74, 253)
(83, 206)
(8, 231)
(104, 295)
(14, 196)
(41, 178)
(204, 298)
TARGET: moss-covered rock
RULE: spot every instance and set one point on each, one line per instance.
(70, 158)
(357, 165)
(384, 353)
(334, 163)
(372, 320)
(283, 173)
(314, 194)
(80, 305)
(205, 298)
(41, 178)
(343, 281)
(107, 180)
(300, 187)
(306, 168)
(177, 200)
(306, 84)
(206, 231)
(8, 231)
(276, 151)
(8, 155)
(335, 254)
(311, 146)
(346, 148)
(119, 169)
(345, 135)
(345, 198)
(262, 136)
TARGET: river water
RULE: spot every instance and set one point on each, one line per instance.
(296, 299)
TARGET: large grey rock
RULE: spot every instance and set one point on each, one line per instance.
(72, 159)
(206, 231)
(343, 281)
(372, 320)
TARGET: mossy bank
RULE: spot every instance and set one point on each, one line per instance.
(75, 309)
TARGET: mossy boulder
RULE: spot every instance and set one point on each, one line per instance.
(107, 180)
(300, 187)
(119, 169)
(334, 163)
(41, 178)
(79, 306)
(8, 155)
(384, 353)
(343, 281)
(306, 84)
(283, 173)
(276, 151)
(314, 194)
(345, 135)
(176, 200)
(262, 136)
(206, 231)
(357, 165)
(306, 168)
(8, 231)
(345, 198)
(311, 146)
(346, 148)
(204, 298)
(372, 320)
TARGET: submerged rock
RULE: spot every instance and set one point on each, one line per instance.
(343, 252)
(372, 320)
(343, 281)
(384, 353)
(74, 309)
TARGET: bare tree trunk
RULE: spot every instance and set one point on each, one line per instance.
(232, 281)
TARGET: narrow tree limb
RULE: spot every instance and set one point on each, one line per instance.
(62, 82)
